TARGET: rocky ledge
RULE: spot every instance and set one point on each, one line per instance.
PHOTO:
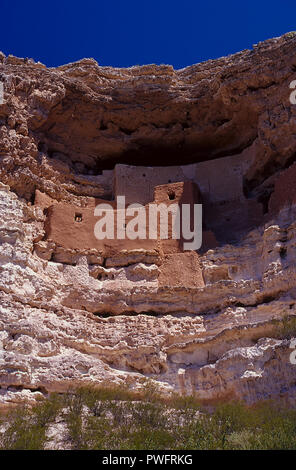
(79, 318)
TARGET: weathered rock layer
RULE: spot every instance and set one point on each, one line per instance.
(77, 318)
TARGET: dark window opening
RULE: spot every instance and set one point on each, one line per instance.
(172, 195)
(78, 217)
(103, 126)
(283, 252)
(42, 147)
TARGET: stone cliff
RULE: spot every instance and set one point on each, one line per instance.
(210, 323)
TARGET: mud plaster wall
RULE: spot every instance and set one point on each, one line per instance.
(177, 193)
(43, 201)
(181, 269)
(218, 180)
(227, 212)
(72, 227)
(137, 183)
(284, 190)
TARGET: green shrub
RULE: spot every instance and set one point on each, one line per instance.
(117, 419)
(149, 439)
(287, 328)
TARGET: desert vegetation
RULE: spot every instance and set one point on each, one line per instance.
(114, 418)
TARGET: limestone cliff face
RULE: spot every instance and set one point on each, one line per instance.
(72, 317)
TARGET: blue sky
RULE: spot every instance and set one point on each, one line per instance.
(123, 33)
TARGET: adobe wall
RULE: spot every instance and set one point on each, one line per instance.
(284, 190)
(66, 229)
(72, 227)
(176, 193)
(226, 211)
(137, 183)
(181, 270)
(219, 180)
(42, 200)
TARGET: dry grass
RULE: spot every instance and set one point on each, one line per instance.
(113, 418)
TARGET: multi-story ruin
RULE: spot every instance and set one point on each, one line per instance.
(69, 228)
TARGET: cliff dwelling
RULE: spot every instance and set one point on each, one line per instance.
(80, 310)
(69, 228)
(69, 231)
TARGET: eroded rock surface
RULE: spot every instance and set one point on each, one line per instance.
(72, 316)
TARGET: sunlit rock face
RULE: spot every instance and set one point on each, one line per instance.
(211, 322)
